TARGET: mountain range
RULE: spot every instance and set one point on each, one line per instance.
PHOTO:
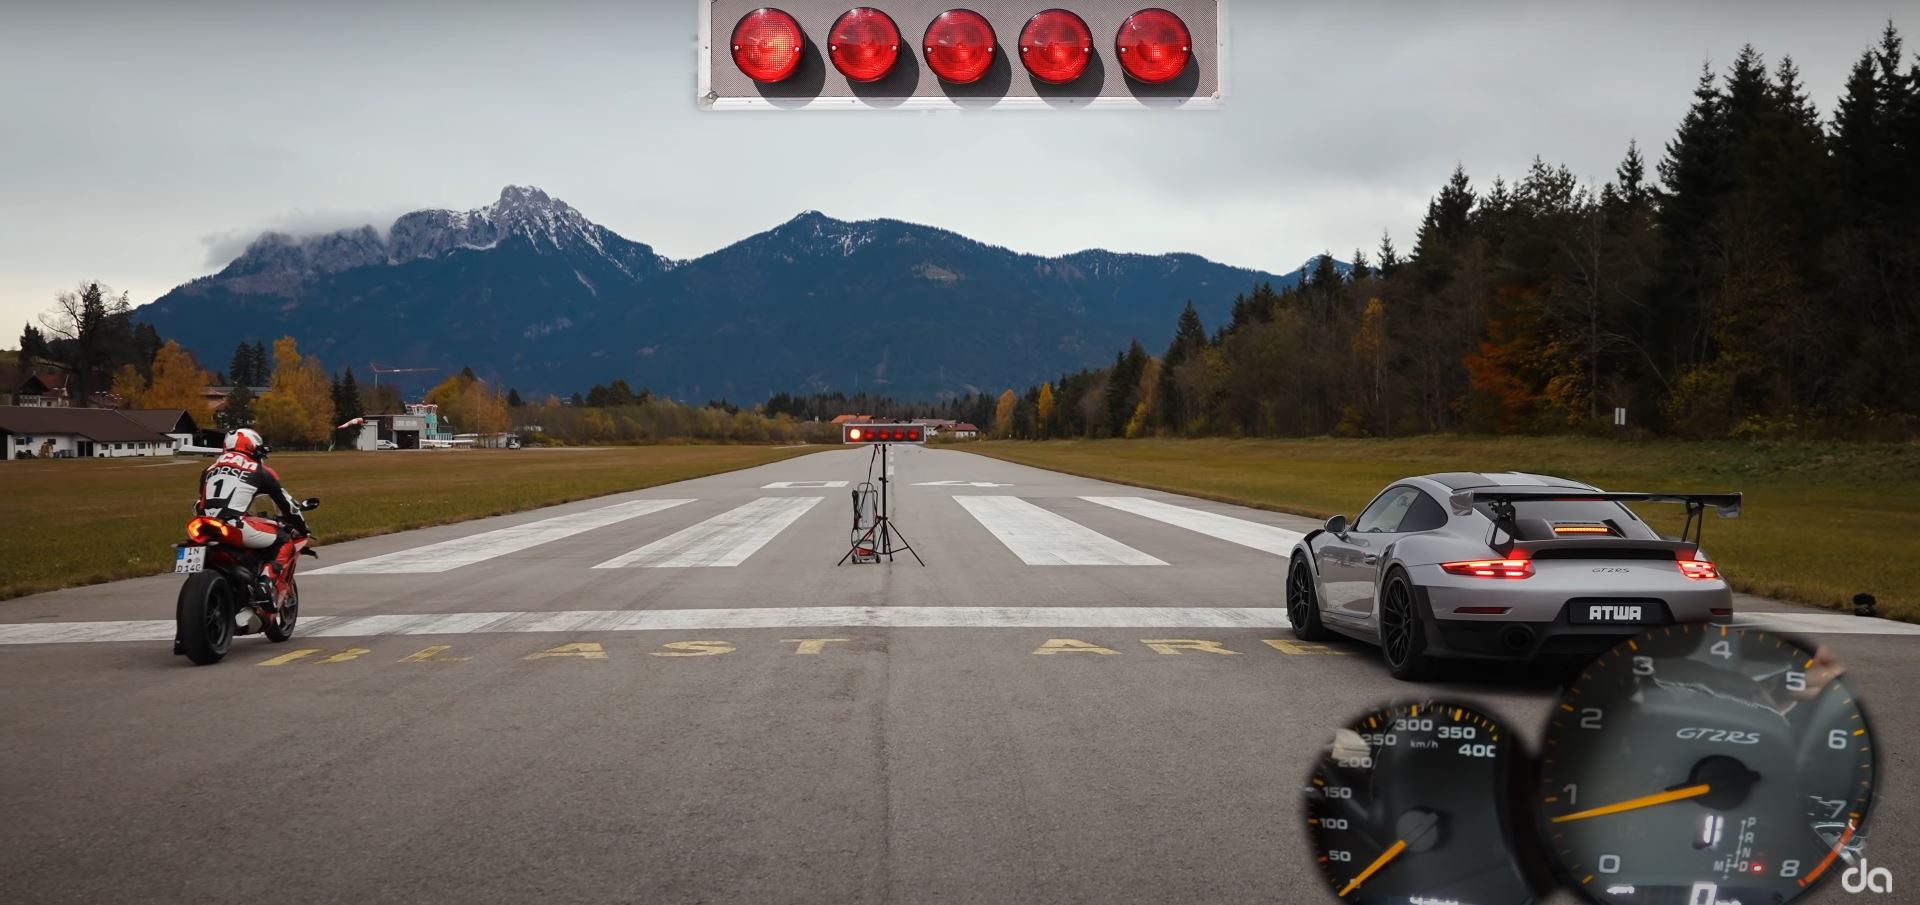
(529, 292)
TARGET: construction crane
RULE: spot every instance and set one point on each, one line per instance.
(378, 370)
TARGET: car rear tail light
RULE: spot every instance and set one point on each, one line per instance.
(1153, 46)
(1056, 46)
(1722, 611)
(1582, 529)
(864, 44)
(960, 46)
(1699, 569)
(767, 45)
(1490, 568)
(1482, 610)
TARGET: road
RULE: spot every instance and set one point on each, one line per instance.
(674, 695)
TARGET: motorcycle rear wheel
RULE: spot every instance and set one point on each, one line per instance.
(281, 628)
(205, 618)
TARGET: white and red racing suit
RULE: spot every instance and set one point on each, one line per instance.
(228, 489)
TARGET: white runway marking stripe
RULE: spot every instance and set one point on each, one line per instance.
(975, 617)
(726, 539)
(692, 620)
(1042, 538)
(1278, 541)
(466, 551)
(1825, 623)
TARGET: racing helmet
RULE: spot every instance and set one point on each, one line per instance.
(248, 441)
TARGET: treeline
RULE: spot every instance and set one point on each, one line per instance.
(975, 408)
(90, 335)
(1762, 281)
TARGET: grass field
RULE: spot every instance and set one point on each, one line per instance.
(1821, 522)
(78, 522)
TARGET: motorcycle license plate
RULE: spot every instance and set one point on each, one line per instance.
(189, 559)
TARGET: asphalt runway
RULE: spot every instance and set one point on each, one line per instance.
(1087, 694)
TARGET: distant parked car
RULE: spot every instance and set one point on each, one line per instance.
(387, 444)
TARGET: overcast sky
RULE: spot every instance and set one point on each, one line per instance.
(142, 143)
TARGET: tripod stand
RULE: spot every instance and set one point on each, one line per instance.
(878, 539)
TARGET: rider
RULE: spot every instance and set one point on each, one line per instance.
(228, 488)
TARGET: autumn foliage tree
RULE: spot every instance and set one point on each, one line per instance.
(177, 383)
(471, 405)
(1003, 414)
(298, 410)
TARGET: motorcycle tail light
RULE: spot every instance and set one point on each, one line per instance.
(1490, 568)
(204, 530)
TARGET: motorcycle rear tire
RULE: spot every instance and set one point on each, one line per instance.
(281, 628)
(204, 618)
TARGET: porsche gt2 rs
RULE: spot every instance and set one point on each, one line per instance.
(1502, 566)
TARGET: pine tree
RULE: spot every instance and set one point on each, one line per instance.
(513, 399)
(146, 347)
(1189, 339)
(347, 405)
(262, 373)
(1361, 268)
(1389, 256)
(238, 410)
(241, 366)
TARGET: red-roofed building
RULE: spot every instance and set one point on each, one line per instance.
(47, 389)
(65, 432)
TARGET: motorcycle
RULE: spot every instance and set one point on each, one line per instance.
(229, 592)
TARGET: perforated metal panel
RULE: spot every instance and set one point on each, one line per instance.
(1007, 85)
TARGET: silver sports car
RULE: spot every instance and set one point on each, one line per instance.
(1502, 566)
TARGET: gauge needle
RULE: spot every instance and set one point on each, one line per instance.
(1392, 852)
(1633, 804)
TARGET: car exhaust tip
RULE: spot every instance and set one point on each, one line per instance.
(1517, 638)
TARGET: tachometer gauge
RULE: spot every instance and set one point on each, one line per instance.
(1702, 764)
(1413, 804)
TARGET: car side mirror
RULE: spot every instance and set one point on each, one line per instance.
(1337, 525)
(309, 504)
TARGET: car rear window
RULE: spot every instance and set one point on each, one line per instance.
(1556, 512)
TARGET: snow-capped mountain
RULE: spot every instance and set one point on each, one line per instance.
(529, 291)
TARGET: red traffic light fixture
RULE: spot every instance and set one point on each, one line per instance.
(767, 45)
(960, 46)
(864, 44)
(883, 433)
(1056, 46)
(1154, 46)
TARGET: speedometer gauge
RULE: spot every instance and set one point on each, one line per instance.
(1702, 764)
(1415, 803)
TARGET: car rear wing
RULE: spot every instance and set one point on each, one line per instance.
(1501, 501)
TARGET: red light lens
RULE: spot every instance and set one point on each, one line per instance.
(913, 434)
(1056, 46)
(1153, 46)
(1699, 570)
(767, 45)
(1490, 568)
(1482, 610)
(960, 46)
(864, 44)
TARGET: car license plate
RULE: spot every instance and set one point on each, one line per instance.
(1619, 613)
(189, 559)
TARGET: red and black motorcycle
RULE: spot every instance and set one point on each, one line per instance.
(230, 589)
